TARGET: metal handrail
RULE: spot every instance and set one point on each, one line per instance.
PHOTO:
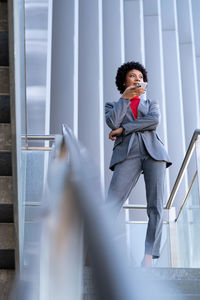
(40, 137)
(195, 175)
(136, 206)
(27, 148)
(183, 168)
(45, 137)
(143, 222)
(178, 179)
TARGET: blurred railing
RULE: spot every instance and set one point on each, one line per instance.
(72, 225)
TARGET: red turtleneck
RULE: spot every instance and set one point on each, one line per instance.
(134, 105)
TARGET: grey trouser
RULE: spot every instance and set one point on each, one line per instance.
(125, 177)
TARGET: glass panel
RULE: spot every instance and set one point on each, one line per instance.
(36, 163)
(136, 233)
(36, 33)
(188, 229)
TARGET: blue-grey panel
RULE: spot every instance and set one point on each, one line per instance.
(89, 94)
(196, 23)
(36, 17)
(34, 175)
(184, 21)
(133, 31)
(168, 14)
(62, 69)
(150, 7)
(36, 14)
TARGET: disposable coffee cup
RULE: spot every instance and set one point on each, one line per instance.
(142, 85)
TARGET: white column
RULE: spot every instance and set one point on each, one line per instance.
(48, 68)
(154, 58)
(64, 79)
(134, 51)
(134, 31)
(113, 48)
(90, 93)
(188, 68)
(154, 63)
(196, 26)
(173, 92)
(188, 74)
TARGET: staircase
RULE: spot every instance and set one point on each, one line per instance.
(173, 283)
(7, 253)
(177, 283)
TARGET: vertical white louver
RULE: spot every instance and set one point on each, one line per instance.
(163, 35)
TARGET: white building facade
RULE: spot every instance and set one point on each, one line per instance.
(87, 40)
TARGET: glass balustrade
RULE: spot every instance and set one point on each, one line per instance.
(136, 233)
(35, 169)
(188, 230)
(180, 240)
(184, 236)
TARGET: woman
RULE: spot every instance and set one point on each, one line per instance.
(137, 149)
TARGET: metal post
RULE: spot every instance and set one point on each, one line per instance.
(173, 237)
(197, 146)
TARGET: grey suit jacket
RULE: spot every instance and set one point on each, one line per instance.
(119, 114)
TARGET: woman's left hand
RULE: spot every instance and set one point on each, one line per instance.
(115, 132)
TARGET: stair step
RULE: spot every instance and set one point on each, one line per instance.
(6, 213)
(7, 236)
(7, 259)
(4, 80)
(180, 297)
(186, 287)
(88, 284)
(89, 297)
(4, 109)
(174, 283)
(3, 16)
(4, 54)
(173, 273)
(179, 281)
(5, 137)
(6, 282)
(5, 190)
(5, 164)
(7, 253)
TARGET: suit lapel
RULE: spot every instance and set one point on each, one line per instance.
(142, 108)
(130, 114)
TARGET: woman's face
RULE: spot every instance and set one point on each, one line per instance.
(132, 77)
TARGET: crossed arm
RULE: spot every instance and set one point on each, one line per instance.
(115, 112)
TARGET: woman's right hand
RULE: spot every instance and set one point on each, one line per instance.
(132, 91)
(115, 132)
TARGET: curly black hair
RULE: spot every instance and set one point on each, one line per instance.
(122, 71)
